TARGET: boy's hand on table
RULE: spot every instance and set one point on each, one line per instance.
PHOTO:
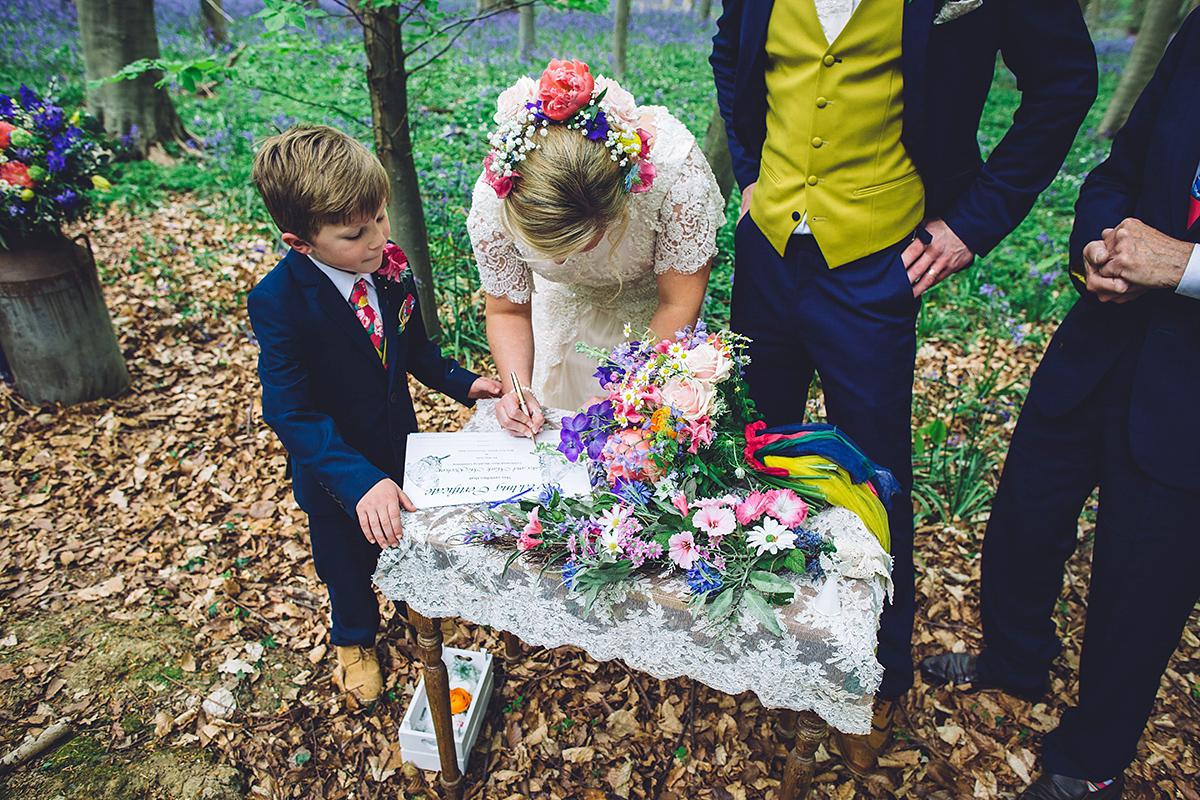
(484, 388)
(379, 513)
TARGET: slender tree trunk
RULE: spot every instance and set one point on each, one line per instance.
(115, 33)
(387, 83)
(620, 37)
(1093, 14)
(704, 9)
(1137, 12)
(526, 32)
(213, 17)
(1160, 19)
(716, 150)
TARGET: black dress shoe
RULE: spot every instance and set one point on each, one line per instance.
(1060, 787)
(959, 668)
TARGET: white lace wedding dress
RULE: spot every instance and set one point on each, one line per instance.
(593, 295)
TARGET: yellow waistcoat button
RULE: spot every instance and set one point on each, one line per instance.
(822, 102)
(829, 61)
(812, 180)
(818, 141)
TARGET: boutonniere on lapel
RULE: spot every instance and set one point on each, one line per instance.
(949, 10)
(395, 264)
(395, 268)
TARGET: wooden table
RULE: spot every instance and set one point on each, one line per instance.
(822, 668)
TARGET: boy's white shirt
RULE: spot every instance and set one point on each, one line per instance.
(344, 282)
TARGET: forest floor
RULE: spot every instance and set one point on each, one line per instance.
(151, 554)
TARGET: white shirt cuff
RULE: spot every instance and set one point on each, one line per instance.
(1189, 284)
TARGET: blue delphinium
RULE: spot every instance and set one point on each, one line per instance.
(570, 444)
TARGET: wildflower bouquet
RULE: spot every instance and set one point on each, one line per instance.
(680, 483)
(48, 164)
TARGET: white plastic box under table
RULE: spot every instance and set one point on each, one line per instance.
(467, 669)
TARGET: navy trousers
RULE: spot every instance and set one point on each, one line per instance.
(345, 562)
(1144, 580)
(855, 326)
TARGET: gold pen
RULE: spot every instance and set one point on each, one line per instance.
(520, 394)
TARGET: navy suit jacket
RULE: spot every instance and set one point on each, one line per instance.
(343, 418)
(1147, 175)
(948, 72)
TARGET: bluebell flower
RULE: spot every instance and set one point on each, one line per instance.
(49, 120)
(28, 98)
(55, 161)
(703, 579)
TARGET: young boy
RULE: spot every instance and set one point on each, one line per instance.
(338, 339)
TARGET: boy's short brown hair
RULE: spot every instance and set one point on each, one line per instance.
(310, 176)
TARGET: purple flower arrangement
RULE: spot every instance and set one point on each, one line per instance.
(50, 163)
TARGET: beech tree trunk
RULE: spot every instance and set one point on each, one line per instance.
(704, 9)
(526, 32)
(620, 37)
(1157, 24)
(115, 33)
(387, 83)
(212, 15)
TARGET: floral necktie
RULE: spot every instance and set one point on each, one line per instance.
(369, 319)
(1194, 201)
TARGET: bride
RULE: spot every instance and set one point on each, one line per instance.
(592, 217)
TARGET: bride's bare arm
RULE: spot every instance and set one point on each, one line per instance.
(679, 299)
(510, 336)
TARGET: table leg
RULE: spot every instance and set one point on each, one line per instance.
(437, 689)
(810, 730)
(512, 647)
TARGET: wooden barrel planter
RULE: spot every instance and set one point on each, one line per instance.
(55, 330)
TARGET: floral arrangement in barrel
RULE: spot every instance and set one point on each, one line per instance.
(685, 478)
(49, 162)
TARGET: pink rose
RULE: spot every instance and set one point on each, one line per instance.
(628, 455)
(566, 87)
(690, 397)
(708, 364)
(618, 104)
(513, 100)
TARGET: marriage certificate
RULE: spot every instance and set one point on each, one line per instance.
(451, 469)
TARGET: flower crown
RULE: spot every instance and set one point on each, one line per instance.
(567, 94)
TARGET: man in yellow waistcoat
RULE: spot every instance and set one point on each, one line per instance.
(853, 129)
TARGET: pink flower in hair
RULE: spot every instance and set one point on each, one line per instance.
(565, 87)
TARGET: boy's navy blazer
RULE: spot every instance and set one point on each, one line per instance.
(1148, 176)
(948, 70)
(343, 418)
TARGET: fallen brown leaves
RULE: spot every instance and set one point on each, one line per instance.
(158, 590)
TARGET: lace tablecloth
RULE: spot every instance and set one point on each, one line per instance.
(824, 662)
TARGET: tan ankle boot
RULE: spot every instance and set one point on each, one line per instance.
(861, 753)
(358, 672)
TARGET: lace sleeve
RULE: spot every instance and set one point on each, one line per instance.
(690, 215)
(502, 271)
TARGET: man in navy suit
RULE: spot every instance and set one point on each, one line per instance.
(340, 330)
(853, 129)
(1113, 404)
